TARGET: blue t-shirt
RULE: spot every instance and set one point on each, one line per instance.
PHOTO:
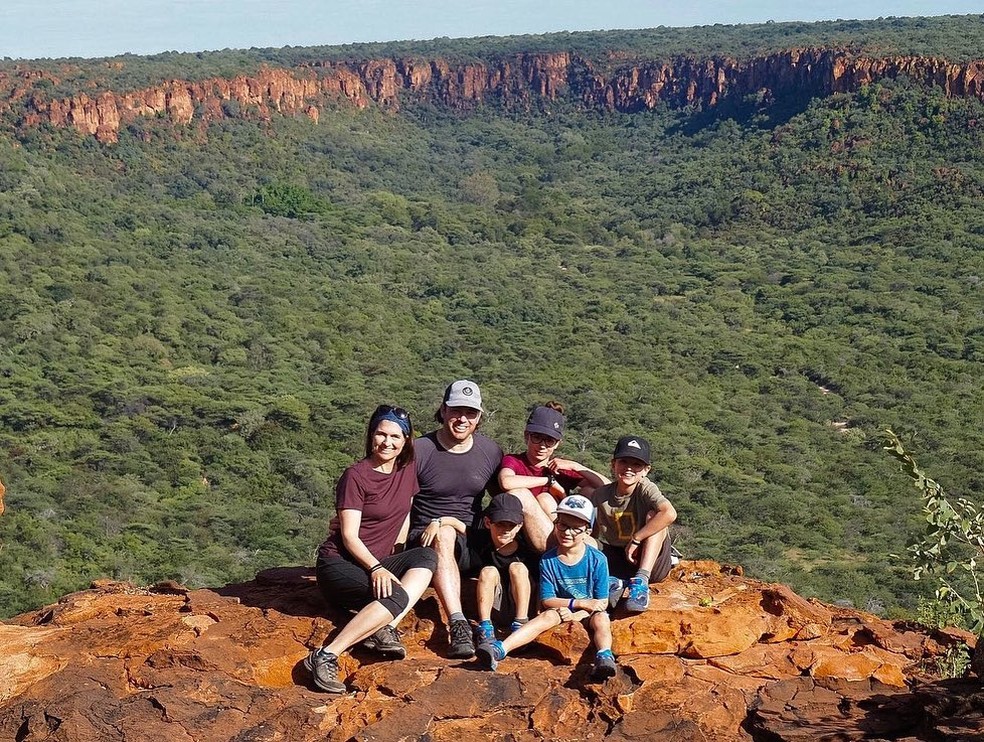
(586, 579)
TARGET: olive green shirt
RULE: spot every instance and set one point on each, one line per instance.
(618, 518)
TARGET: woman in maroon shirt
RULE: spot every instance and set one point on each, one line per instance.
(357, 568)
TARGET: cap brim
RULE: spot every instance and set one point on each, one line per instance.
(543, 430)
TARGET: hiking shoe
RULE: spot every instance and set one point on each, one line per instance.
(604, 666)
(615, 589)
(324, 667)
(460, 639)
(484, 632)
(490, 654)
(638, 600)
(675, 556)
(387, 642)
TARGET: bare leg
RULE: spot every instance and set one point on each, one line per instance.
(536, 523)
(447, 578)
(519, 583)
(414, 581)
(488, 581)
(367, 621)
(531, 630)
(375, 615)
(601, 630)
(651, 547)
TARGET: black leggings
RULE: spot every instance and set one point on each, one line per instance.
(346, 584)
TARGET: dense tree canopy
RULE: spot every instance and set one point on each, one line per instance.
(194, 327)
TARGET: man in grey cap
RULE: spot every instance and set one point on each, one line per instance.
(456, 465)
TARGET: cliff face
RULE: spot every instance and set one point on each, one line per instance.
(717, 657)
(518, 81)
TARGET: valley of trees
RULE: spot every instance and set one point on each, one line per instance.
(194, 323)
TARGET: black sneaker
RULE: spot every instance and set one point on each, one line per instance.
(462, 647)
(604, 667)
(387, 642)
(324, 667)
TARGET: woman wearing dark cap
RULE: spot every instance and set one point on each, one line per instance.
(537, 472)
(357, 568)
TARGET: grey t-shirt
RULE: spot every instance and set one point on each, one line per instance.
(453, 484)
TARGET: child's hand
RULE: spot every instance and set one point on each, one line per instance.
(594, 606)
(632, 553)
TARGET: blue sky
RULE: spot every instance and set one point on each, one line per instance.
(93, 28)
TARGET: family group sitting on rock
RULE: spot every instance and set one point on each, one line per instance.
(580, 551)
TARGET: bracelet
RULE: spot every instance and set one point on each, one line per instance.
(570, 605)
(438, 521)
(378, 566)
(636, 542)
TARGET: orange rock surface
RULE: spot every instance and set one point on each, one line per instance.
(226, 664)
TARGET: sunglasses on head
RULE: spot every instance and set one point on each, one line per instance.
(385, 409)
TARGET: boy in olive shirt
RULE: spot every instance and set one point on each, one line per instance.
(632, 523)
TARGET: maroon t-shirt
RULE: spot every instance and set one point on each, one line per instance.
(566, 478)
(384, 500)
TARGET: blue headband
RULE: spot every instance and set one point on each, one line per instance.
(404, 423)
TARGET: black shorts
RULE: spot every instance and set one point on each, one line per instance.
(619, 566)
(346, 584)
(466, 549)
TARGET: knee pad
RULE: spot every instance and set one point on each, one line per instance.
(397, 602)
(426, 560)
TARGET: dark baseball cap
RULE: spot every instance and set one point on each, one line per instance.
(632, 447)
(505, 507)
(546, 421)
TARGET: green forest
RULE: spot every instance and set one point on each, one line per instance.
(194, 324)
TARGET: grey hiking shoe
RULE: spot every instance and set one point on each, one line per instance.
(460, 639)
(387, 642)
(324, 667)
(604, 667)
(490, 654)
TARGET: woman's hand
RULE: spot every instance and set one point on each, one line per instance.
(382, 583)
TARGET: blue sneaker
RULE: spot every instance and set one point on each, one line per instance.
(484, 632)
(638, 596)
(615, 589)
(517, 625)
(490, 654)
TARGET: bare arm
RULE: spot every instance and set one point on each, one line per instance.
(593, 478)
(510, 480)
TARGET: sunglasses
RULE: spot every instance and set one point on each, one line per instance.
(385, 409)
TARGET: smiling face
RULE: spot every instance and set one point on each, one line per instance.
(539, 447)
(570, 530)
(460, 423)
(387, 442)
(628, 473)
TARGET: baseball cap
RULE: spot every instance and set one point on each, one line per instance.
(577, 506)
(463, 393)
(632, 447)
(505, 507)
(546, 421)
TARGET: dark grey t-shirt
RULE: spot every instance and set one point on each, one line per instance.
(452, 484)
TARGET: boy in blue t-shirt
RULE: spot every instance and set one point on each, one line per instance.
(573, 578)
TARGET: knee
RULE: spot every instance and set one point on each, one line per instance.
(488, 576)
(518, 570)
(397, 602)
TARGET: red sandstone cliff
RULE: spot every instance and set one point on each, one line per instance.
(521, 80)
(717, 657)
